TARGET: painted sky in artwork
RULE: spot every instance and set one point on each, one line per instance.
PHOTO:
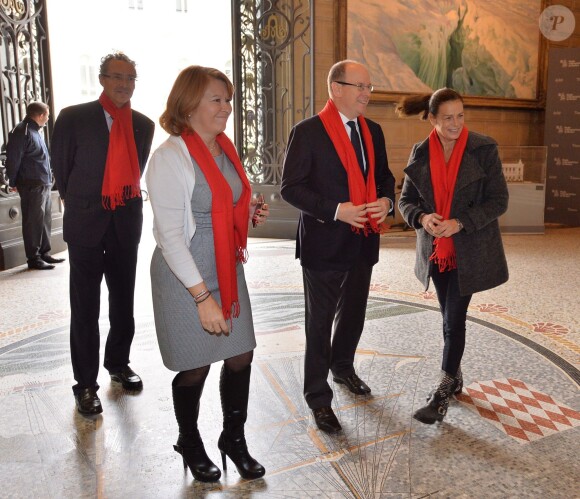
(478, 47)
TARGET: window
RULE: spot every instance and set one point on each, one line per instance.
(88, 77)
(136, 4)
(181, 6)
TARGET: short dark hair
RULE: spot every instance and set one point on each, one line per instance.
(115, 56)
(426, 104)
(36, 108)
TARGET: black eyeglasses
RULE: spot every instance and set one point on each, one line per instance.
(119, 78)
(361, 87)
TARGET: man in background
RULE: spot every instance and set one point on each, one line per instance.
(28, 171)
(99, 151)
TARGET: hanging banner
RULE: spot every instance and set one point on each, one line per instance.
(562, 136)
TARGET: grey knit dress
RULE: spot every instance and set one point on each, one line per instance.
(183, 342)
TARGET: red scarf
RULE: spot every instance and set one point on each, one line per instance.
(359, 193)
(443, 178)
(230, 223)
(122, 173)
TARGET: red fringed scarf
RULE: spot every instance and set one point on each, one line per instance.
(359, 192)
(443, 178)
(122, 174)
(230, 224)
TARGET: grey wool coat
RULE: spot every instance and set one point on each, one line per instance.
(480, 197)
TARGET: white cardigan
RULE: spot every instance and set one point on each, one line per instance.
(170, 181)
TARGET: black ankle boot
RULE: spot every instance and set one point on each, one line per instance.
(438, 403)
(189, 443)
(457, 385)
(234, 391)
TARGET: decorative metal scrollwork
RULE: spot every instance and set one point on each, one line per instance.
(24, 67)
(273, 75)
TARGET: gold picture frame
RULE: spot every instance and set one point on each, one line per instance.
(343, 43)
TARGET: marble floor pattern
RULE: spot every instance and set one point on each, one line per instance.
(513, 432)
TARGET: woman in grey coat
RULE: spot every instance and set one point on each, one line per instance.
(453, 194)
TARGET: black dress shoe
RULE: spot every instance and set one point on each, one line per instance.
(51, 259)
(354, 384)
(326, 420)
(128, 378)
(88, 402)
(39, 265)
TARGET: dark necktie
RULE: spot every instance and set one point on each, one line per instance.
(355, 139)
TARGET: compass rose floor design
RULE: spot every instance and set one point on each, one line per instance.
(513, 432)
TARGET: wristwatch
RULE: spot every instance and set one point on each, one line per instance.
(459, 224)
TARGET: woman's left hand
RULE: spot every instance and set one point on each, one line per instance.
(261, 214)
(446, 228)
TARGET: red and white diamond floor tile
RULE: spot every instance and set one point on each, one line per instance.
(518, 409)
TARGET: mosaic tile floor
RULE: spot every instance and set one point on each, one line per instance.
(514, 432)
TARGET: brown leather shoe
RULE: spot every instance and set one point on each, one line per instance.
(88, 402)
(354, 384)
(128, 378)
(326, 419)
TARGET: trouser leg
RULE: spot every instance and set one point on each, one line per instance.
(454, 313)
(350, 319)
(86, 274)
(35, 234)
(321, 295)
(120, 274)
(45, 246)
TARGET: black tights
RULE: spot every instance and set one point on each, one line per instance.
(195, 377)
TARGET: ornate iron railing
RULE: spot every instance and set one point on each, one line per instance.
(273, 76)
(24, 67)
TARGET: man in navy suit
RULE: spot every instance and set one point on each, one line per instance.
(99, 150)
(336, 173)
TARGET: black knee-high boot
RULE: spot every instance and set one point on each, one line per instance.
(438, 403)
(189, 443)
(234, 391)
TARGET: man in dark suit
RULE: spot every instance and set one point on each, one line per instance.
(99, 151)
(336, 173)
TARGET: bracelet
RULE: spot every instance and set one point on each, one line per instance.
(459, 224)
(197, 302)
(200, 295)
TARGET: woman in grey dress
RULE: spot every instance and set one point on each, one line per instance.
(201, 202)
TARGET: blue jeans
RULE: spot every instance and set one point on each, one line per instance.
(454, 312)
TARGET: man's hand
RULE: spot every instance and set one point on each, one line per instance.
(379, 209)
(352, 215)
